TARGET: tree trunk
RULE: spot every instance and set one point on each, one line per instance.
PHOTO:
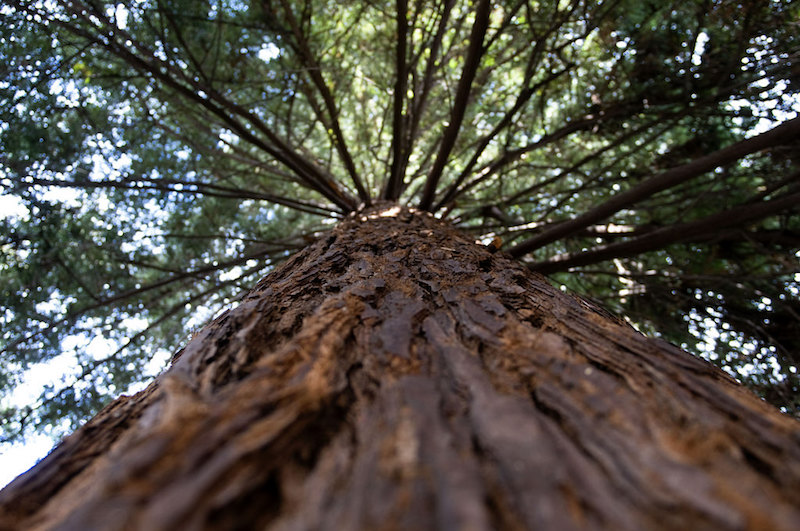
(395, 375)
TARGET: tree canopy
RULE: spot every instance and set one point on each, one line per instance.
(161, 156)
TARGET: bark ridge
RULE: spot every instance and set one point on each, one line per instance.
(395, 375)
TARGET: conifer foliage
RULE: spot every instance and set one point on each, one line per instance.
(159, 157)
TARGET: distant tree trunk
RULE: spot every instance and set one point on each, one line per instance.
(395, 375)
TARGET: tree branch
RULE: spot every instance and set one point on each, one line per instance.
(399, 147)
(681, 232)
(207, 97)
(471, 63)
(522, 98)
(673, 177)
(421, 93)
(315, 72)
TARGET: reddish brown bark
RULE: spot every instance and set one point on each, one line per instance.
(395, 375)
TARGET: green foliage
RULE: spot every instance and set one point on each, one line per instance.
(163, 155)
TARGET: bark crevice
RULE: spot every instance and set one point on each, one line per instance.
(398, 375)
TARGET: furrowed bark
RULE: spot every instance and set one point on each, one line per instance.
(397, 375)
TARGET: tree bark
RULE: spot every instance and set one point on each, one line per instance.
(395, 375)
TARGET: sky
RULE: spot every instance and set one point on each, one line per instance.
(18, 458)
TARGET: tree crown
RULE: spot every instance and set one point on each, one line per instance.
(164, 155)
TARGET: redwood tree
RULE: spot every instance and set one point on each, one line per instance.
(395, 375)
(165, 155)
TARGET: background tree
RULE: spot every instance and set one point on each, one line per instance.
(168, 154)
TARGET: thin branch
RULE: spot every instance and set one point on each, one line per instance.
(680, 232)
(315, 72)
(176, 186)
(72, 316)
(522, 98)
(169, 16)
(516, 199)
(399, 147)
(668, 179)
(207, 97)
(471, 64)
(421, 93)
